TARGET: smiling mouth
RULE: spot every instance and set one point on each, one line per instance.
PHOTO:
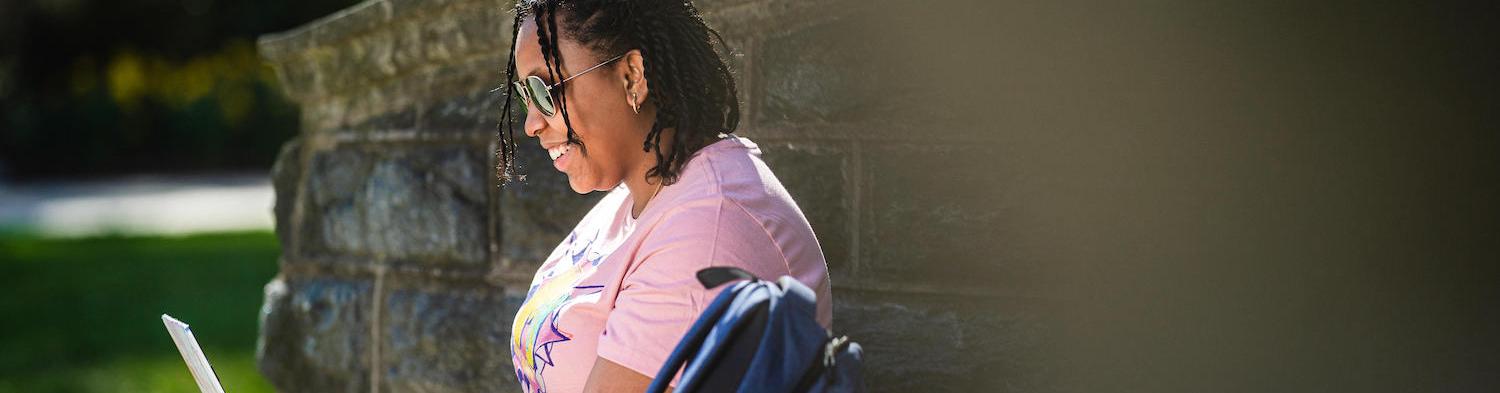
(559, 150)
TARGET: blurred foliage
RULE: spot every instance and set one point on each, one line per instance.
(83, 315)
(91, 88)
(157, 374)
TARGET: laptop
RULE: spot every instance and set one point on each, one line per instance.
(197, 364)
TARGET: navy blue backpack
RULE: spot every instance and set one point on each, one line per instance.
(760, 337)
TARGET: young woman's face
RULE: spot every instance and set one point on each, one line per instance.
(597, 107)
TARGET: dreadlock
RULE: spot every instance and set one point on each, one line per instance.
(692, 88)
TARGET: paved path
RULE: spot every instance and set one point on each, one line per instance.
(143, 205)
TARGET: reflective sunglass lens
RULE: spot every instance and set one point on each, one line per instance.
(519, 89)
(541, 95)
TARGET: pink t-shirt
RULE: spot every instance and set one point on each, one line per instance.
(625, 289)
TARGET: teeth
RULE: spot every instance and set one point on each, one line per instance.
(559, 150)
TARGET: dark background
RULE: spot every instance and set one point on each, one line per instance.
(95, 88)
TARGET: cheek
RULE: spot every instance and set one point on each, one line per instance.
(597, 103)
(601, 166)
(607, 143)
(582, 119)
(590, 127)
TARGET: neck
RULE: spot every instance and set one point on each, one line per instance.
(641, 195)
(643, 190)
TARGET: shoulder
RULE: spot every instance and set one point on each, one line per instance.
(731, 172)
(725, 182)
(726, 201)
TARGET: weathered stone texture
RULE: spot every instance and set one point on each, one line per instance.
(962, 220)
(815, 176)
(945, 343)
(824, 75)
(317, 331)
(447, 340)
(397, 204)
(284, 177)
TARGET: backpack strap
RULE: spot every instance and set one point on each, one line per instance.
(718, 275)
(693, 339)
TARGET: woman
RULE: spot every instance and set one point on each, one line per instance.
(630, 97)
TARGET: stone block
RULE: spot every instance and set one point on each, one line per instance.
(453, 339)
(286, 173)
(474, 111)
(831, 73)
(466, 29)
(325, 115)
(299, 77)
(356, 62)
(419, 7)
(314, 335)
(403, 118)
(408, 51)
(463, 97)
(933, 218)
(423, 204)
(817, 176)
(538, 212)
(391, 104)
(939, 343)
(380, 40)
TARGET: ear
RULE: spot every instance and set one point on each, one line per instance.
(633, 77)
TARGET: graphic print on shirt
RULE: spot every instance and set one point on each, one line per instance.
(535, 330)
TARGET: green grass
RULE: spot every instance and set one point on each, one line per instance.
(83, 315)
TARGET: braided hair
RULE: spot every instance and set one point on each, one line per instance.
(692, 88)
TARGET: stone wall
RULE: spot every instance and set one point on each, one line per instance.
(404, 261)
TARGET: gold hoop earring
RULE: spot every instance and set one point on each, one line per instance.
(633, 105)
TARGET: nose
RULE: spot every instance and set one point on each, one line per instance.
(535, 122)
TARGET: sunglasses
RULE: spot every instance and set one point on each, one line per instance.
(536, 92)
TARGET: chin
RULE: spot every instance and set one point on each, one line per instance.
(577, 187)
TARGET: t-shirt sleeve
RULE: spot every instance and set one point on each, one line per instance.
(660, 296)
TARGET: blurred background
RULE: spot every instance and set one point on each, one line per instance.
(135, 142)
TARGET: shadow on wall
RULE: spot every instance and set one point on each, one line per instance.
(1230, 196)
